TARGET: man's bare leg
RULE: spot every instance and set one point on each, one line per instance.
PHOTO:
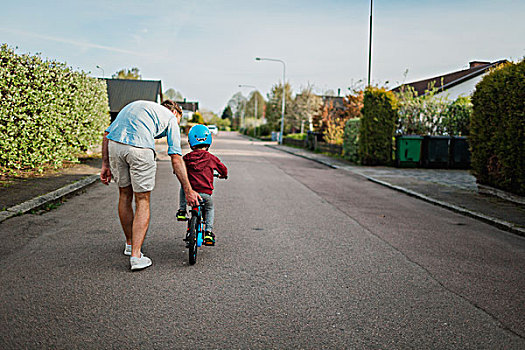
(125, 211)
(140, 222)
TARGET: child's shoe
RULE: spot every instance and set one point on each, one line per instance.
(181, 215)
(209, 238)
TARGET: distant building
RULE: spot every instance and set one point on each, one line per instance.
(123, 91)
(455, 84)
(188, 109)
(335, 102)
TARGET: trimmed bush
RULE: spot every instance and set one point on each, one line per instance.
(48, 113)
(497, 129)
(296, 136)
(376, 131)
(351, 140)
(264, 130)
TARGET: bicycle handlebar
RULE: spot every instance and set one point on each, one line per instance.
(219, 176)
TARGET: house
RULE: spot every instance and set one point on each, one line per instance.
(123, 91)
(335, 102)
(455, 84)
(188, 109)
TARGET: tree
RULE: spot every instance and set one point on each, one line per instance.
(274, 105)
(133, 73)
(304, 107)
(237, 104)
(250, 106)
(221, 123)
(330, 93)
(354, 104)
(173, 95)
(227, 113)
(197, 118)
(207, 115)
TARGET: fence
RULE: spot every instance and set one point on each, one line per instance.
(314, 145)
(294, 142)
(330, 148)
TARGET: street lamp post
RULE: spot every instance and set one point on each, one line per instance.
(370, 45)
(102, 69)
(284, 90)
(255, 109)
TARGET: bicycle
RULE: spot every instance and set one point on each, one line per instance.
(196, 229)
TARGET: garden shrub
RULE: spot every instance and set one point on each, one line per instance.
(421, 115)
(377, 126)
(298, 136)
(457, 117)
(264, 130)
(497, 129)
(48, 113)
(351, 140)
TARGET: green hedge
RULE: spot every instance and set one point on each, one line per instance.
(48, 113)
(351, 140)
(297, 136)
(376, 131)
(497, 129)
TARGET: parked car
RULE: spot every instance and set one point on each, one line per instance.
(214, 129)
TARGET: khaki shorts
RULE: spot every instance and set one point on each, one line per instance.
(133, 166)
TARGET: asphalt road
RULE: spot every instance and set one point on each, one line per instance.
(306, 257)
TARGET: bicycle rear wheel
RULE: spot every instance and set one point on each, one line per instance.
(192, 240)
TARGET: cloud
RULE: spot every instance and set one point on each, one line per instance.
(82, 44)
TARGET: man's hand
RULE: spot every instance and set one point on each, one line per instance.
(193, 198)
(105, 175)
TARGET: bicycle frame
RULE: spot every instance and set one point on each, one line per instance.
(197, 211)
(195, 232)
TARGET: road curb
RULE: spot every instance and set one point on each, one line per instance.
(504, 225)
(39, 201)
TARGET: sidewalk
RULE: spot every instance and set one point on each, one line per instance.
(21, 195)
(452, 189)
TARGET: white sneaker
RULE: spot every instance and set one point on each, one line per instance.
(139, 263)
(127, 250)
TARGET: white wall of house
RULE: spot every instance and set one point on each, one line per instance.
(466, 88)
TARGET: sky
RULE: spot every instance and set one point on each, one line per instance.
(205, 49)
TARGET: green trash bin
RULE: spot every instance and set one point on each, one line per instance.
(408, 150)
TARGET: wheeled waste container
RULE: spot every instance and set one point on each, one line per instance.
(408, 150)
(459, 153)
(435, 152)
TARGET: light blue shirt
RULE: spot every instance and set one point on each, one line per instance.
(141, 122)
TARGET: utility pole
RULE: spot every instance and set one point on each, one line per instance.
(370, 45)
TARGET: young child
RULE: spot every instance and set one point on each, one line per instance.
(200, 165)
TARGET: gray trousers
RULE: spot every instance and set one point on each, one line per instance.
(208, 209)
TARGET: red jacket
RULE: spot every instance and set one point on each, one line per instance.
(200, 165)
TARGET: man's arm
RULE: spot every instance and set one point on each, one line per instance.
(179, 169)
(105, 172)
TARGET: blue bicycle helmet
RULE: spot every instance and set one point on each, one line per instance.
(199, 135)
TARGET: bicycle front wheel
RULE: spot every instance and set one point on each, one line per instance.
(192, 240)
